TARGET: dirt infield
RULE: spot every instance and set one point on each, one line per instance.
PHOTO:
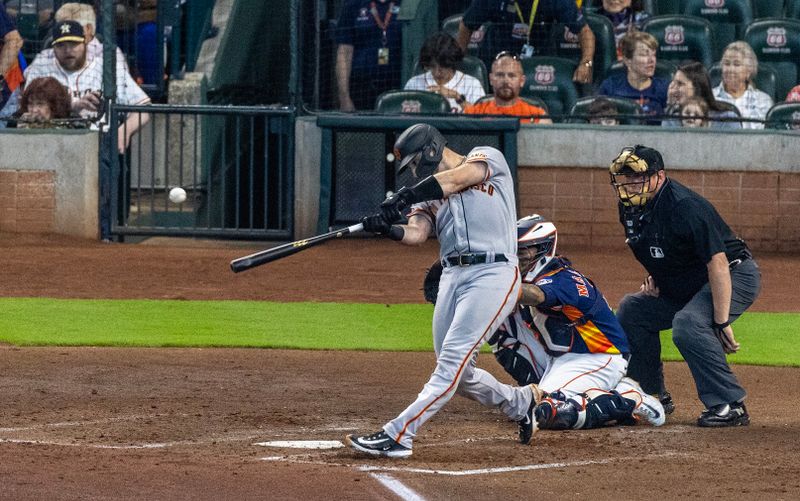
(99, 423)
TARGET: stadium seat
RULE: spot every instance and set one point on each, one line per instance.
(784, 116)
(411, 101)
(777, 42)
(793, 9)
(767, 8)
(682, 38)
(624, 107)
(605, 52)
(470, 65)
(664, 69)
(668, 6)
(535, 101)
(728, 19)
(550, 79)
(650, 6)
(765, 79)
(476, 47)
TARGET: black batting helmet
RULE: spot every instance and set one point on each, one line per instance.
(632, 161)
(421, 144)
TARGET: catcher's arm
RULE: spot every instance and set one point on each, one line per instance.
(531, 295)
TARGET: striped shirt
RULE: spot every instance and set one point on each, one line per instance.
(752, 104)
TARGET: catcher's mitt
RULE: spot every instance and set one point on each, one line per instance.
(430, 286)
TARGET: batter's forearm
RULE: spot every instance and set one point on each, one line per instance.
(531, 295)
(719, 278)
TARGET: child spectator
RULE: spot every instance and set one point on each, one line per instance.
(692, 80)
(694, 112)
(626, 16)
(44, 100)
(602, 111)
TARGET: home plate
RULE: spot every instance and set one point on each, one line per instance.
(303, 444)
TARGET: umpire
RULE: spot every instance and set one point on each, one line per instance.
(701, 278)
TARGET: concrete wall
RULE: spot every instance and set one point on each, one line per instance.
(48, 182)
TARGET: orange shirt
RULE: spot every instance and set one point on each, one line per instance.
(518, 109)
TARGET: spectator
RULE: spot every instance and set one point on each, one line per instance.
(524, 28)
(692, 80)
(694, 112)
(625, 15)
(439, 56)
(507, 79)
(44, 100)
(793, 95)
(603, 111)
(369, 53)
(10, 45)
(84, 79)
(638, 83)
(739, 67)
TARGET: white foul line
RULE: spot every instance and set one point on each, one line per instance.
(397, 487)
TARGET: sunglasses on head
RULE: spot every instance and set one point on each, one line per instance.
(506, 53)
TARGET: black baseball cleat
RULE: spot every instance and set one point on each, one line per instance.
(377, 444)
(734, 414)
(666, 401)
(527, 425)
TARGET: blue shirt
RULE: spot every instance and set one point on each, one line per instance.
(653, 99)
(504, 16)
(357, 27)
(6, 26)
(574, 316)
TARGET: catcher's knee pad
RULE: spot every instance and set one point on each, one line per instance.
(556, 412)
(608, 408)
(515, 364)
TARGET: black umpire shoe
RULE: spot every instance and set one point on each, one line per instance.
(666, 401)
(734, 414)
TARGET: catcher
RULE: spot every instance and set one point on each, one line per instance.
(565, 338)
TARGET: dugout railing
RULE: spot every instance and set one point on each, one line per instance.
(236, 165)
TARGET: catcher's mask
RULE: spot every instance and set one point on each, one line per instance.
(421, 147)
(632, 174)
(536, 243)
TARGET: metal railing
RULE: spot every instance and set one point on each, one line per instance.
(236, 165)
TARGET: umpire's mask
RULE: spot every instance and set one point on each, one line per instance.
(421, 147)
(633, 175)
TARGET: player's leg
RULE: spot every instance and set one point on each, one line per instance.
(574, 373)
(643, 317)
(483, 296)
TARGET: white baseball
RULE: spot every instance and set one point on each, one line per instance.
(177, 195)
(390, 157)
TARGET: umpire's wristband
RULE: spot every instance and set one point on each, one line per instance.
(396, 232)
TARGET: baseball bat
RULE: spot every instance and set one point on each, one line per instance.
(281, 251)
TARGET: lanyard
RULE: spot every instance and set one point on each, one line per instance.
(534, 8)
(383, 24)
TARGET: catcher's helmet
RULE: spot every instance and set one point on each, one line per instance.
(636, 164)
(540, 236)
(422, 145)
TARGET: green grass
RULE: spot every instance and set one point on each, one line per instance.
(766, 338)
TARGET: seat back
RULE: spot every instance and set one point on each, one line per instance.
(767, 8)
(649, 6)
(605, 51)
(550, 79)
(476, 46)
(411, 101)
(664, 69)
(777, 42)
(784, 116)
(792, 9)
(681, 38)
(726, 106)
(728, 19)
(668, 6)
(470, 65)
(765, 79)
(624, 107)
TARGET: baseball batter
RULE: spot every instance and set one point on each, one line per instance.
(468, 201)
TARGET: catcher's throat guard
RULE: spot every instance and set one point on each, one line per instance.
(632, 175)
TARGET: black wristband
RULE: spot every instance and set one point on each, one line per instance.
(396, 232)
(715, 325)
(427, 189)
(461, 98)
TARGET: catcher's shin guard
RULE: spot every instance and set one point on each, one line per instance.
(556, 412)
(608, 408)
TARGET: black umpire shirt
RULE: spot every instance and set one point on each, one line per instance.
(680, 231)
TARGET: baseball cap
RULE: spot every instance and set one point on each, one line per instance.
(68, 31)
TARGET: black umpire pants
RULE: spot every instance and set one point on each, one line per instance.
(643, 317)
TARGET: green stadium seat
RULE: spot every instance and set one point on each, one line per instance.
(624, 107)
(668, 6)
(411, 101)
(550, 79)
(535, 101)
(765, 79)
(777, 42)
(767, 8)
(476, 47)
(605, 52)
(664, 69)
(470, 65)
(784, 116)
(728, 19)
(682, 38)
(793, 9)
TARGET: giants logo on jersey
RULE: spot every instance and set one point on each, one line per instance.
(673, 35)
(776, 37)
(545, 74)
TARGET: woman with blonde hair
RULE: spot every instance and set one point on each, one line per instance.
(739, 68)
